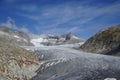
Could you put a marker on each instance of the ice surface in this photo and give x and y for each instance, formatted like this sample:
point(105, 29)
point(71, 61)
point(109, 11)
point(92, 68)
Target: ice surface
point(65, 63)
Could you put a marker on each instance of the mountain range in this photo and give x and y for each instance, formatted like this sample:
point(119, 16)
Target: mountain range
point(49, 40)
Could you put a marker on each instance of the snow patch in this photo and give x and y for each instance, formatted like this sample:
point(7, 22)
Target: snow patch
point(75, 37)
point(16, 36)
point(3, 33)
point(54, 62)
point(110, 79)
point(25, 40)
point(37, 42)
point(81, 43)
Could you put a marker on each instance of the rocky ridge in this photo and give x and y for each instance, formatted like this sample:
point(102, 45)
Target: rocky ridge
point(104, 42)
point(16, 63)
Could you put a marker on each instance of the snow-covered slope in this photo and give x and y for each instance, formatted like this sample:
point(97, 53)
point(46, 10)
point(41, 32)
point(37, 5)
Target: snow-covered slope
point(16, 37)
point(37, 42)
point(64, 63)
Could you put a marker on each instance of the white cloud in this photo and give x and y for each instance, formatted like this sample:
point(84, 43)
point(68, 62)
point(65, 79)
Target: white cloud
point(73, 29)
point(29, 8)
point(10, 23)
point(11, 1)
point(52, 18)
point(58, 31)
point(33, 17)
point(64, 13)
point(24, 29)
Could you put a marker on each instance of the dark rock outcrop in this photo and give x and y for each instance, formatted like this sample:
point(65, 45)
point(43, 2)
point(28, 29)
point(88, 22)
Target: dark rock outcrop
point(105, 42)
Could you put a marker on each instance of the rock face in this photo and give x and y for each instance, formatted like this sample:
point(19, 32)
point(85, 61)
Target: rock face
point(71, 39)
point(15, 62)
point(105, 42)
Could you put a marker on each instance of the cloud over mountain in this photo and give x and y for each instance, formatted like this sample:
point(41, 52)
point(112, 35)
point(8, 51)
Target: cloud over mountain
point(10, 23)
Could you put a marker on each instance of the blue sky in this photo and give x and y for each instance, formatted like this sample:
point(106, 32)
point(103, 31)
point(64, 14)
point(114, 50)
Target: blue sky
point(82, 17)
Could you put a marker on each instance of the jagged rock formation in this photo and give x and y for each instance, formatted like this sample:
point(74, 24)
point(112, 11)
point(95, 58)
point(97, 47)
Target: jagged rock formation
point(71, 39)
point(105, 42)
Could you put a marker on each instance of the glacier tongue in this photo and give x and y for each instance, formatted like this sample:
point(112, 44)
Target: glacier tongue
point(65, 63)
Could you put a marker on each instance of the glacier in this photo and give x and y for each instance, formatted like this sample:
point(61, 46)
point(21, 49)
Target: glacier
point(66, 63)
